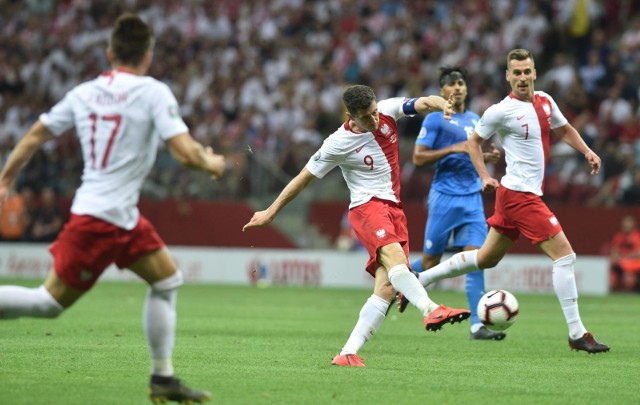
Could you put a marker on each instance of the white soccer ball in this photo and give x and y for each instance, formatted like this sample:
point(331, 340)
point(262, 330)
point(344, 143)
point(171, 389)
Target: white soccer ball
point(498, 309)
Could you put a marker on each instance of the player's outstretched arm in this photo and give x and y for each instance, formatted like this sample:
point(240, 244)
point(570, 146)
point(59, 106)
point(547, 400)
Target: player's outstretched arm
point(295, 186)
point(193, 155)
point(21, 154)
point(571, 137)
point(435, 103)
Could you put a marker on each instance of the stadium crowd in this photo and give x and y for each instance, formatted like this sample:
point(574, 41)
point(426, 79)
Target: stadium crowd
point(261, 81)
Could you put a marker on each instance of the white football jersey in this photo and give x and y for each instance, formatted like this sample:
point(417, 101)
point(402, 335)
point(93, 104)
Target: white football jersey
point(119, 119)
point(369, 161)
point(524, 129)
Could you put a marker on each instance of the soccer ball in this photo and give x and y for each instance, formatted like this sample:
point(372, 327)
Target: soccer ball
point(498, 309)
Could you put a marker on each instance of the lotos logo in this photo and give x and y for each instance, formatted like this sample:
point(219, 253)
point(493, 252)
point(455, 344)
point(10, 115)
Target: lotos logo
point(288, 271)
point(553, 220)
point(316, 157)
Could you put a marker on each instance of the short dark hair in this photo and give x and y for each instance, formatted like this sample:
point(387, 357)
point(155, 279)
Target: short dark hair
point(358, 97)
point(131, 39)
point(519, 54)
point(447, 70)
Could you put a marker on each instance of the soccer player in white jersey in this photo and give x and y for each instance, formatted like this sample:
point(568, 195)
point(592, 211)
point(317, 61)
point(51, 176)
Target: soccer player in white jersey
point(366, 148)
point(119, 118)
point(524, 120)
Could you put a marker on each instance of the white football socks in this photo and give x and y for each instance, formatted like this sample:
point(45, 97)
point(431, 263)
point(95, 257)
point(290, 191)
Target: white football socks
point(159, 320)
point(564, 284)
point(371, 316)
point(405, 282)
point(16, 301)
point(458, 264)
point(476, 327)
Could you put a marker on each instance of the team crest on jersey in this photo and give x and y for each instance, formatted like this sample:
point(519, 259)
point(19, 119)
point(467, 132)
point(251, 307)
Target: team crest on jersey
point(316, 157)
point(381, 233)
point(388, 133)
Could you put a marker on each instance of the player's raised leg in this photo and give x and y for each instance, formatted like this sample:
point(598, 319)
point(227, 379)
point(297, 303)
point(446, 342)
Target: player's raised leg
point(161, 273)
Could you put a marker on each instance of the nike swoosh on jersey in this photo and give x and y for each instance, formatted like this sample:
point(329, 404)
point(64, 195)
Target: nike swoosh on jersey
point(519, 118)
point(359, 149)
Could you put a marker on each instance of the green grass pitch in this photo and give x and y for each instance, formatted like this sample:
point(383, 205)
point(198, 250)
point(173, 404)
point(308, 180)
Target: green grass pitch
point(275, 345)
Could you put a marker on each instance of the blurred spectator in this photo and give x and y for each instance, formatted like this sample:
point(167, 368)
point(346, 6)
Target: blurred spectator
point(579, 17)
point(561, 76)
point(631, 191)
point(13, 218)
point(47, 219)
point(625, 257)
point(615, 110)
point(630, 41)
point(593, 72)
point(526, 30)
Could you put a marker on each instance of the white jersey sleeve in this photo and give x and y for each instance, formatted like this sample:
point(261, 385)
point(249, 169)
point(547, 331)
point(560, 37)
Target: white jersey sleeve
point(166, 113)
point(392, 107)
point(332, 153)
point(557, 118)
point(490, 122)
point(60, 118)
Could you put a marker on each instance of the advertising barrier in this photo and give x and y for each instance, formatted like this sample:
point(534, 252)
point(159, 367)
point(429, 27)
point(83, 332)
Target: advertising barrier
point(314, 268)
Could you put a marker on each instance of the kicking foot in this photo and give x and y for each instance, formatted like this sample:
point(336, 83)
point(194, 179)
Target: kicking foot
point(443, 315)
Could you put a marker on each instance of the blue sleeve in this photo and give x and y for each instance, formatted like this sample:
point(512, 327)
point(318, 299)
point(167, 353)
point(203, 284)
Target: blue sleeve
point(429, 130)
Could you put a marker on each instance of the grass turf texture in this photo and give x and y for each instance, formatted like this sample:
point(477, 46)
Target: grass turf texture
point(275, 345)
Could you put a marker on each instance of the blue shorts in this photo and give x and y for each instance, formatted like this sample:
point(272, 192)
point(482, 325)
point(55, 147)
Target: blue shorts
point(458, 216)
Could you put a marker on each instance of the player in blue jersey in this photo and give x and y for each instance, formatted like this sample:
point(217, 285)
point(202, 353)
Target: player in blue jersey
point(455, 208)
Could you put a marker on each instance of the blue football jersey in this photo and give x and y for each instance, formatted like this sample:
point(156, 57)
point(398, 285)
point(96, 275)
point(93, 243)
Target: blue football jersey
point(455, 173)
